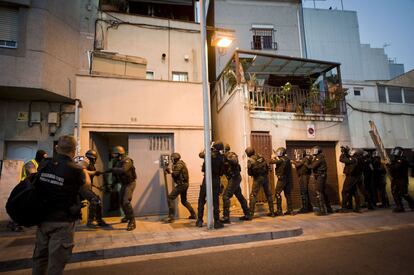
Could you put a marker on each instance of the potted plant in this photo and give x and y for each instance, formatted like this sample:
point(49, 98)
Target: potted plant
point(313, 99)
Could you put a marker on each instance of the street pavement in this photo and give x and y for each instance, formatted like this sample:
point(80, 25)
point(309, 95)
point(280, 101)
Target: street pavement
point(384, 252)
point(153, 238)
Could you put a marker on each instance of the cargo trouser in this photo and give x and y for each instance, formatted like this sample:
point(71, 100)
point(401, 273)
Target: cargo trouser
point(126, 196)
point(54, 244)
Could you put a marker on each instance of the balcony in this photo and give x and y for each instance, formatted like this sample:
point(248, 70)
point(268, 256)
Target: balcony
point(300, 101)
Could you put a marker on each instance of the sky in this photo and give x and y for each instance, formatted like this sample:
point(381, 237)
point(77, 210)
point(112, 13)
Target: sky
point(381, 22)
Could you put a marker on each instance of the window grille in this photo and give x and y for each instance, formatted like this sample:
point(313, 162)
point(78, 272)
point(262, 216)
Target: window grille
point(180, 76)
point(263, 39)
point(159, 143)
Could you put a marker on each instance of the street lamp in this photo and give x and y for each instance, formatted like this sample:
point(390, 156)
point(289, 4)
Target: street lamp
point(221, 41)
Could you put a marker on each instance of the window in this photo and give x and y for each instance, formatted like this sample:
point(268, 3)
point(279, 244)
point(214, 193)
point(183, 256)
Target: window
point(9, 27)
point(180, 76)
point(149, 75)
point(409, 95)
point(263, 38)
point(394, 95)
point(357, 92)
point(382, 97)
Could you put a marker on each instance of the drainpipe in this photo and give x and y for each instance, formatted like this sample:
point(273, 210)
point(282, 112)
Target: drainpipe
point(78, 105)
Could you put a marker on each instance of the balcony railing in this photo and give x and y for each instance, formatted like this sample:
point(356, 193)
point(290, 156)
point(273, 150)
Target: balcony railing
point(258, 45)
point(275, 99)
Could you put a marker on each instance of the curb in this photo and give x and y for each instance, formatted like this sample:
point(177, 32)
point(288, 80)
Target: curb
point(154, 248)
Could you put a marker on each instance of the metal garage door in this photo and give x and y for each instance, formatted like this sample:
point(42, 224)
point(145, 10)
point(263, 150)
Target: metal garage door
point(332, 177)
point(145, 149)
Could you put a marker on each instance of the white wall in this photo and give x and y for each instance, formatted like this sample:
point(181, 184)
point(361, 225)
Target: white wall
point(395, 130)
point(375, 63)
point(240, 15)
point(151, 43)
point(333, 35)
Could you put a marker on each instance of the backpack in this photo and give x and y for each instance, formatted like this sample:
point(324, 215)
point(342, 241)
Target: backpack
point(26, 205)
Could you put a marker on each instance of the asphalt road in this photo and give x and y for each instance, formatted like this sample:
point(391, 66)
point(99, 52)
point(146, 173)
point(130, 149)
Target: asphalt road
point(387, 252)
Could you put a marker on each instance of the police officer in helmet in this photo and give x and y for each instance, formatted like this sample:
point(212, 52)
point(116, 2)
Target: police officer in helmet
point(217, 170)
point(284, 183)
point(301, 164)
point(399, 179)
point(319, 173)
point(124, 173)
point(179, 173)
point(258, 168)
point(95, 210)
point(232, 172)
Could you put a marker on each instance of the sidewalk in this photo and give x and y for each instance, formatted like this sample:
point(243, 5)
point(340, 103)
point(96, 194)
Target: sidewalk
point(152, 236)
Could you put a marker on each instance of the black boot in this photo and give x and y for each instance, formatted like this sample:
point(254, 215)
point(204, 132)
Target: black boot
point(289, 206)
point(218, 225)
point(131, 224)
point(199, 223)
point(279, 211)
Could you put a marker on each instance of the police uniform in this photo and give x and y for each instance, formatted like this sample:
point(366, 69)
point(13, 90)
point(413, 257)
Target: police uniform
point(379, 180)
point(124, 173)
point(399, 182)
point(283, 172)
point(259, 170)
point(180, 176)
point(319, 169)
point(353, 177)
point(304, 173)
point(95, 209)
point(217, 170)
point(232, 172)
point(60, 182)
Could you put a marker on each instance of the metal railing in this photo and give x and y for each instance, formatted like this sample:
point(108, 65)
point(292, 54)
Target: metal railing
point(275, 99)
point(259, 45)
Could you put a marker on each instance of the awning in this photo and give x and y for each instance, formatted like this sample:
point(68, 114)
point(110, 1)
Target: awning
point(266, 63)
point(28, 94)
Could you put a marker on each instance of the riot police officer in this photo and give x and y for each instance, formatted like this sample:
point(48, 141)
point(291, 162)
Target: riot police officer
point(353, 176)
point(366, 187)
point(284, 181)
point(95, 210)
point(319, 169)
point(232, 172)
point(179, 173)
point(124, 173)
point(259, 170)
point(399, 179)
point(217, 170)
point(303, 171)
point(378, 174)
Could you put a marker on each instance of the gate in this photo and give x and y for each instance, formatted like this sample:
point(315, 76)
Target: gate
point(262, 144)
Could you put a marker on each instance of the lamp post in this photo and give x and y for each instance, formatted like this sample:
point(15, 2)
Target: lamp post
point(206, 110)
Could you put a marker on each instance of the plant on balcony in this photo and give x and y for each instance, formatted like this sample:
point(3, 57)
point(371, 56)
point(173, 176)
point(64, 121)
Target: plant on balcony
point(230, 79)
point(275, 102)
point(314, 99)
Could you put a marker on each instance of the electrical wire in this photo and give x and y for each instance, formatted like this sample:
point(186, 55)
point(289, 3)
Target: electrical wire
point(378, 112)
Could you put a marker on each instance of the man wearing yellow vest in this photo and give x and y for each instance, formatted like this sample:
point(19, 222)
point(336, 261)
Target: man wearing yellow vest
point(31, 166)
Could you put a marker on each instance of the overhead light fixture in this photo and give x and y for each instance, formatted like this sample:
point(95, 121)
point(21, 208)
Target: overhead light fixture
point(222, 39)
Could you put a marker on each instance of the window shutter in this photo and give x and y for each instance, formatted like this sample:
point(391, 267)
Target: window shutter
point(9, 24)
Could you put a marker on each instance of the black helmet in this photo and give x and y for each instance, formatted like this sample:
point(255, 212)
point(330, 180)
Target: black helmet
point(281, 151)
point(118, 151)
point(316, 150)
point(91, 154)
point(175, 157)
point(217, 146)
point(40, 155)
point(227, 147)
point(356, 152)
point(249, 151)
point(397, 151)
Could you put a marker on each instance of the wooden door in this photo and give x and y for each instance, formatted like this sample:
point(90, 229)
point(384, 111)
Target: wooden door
point(262, 144)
